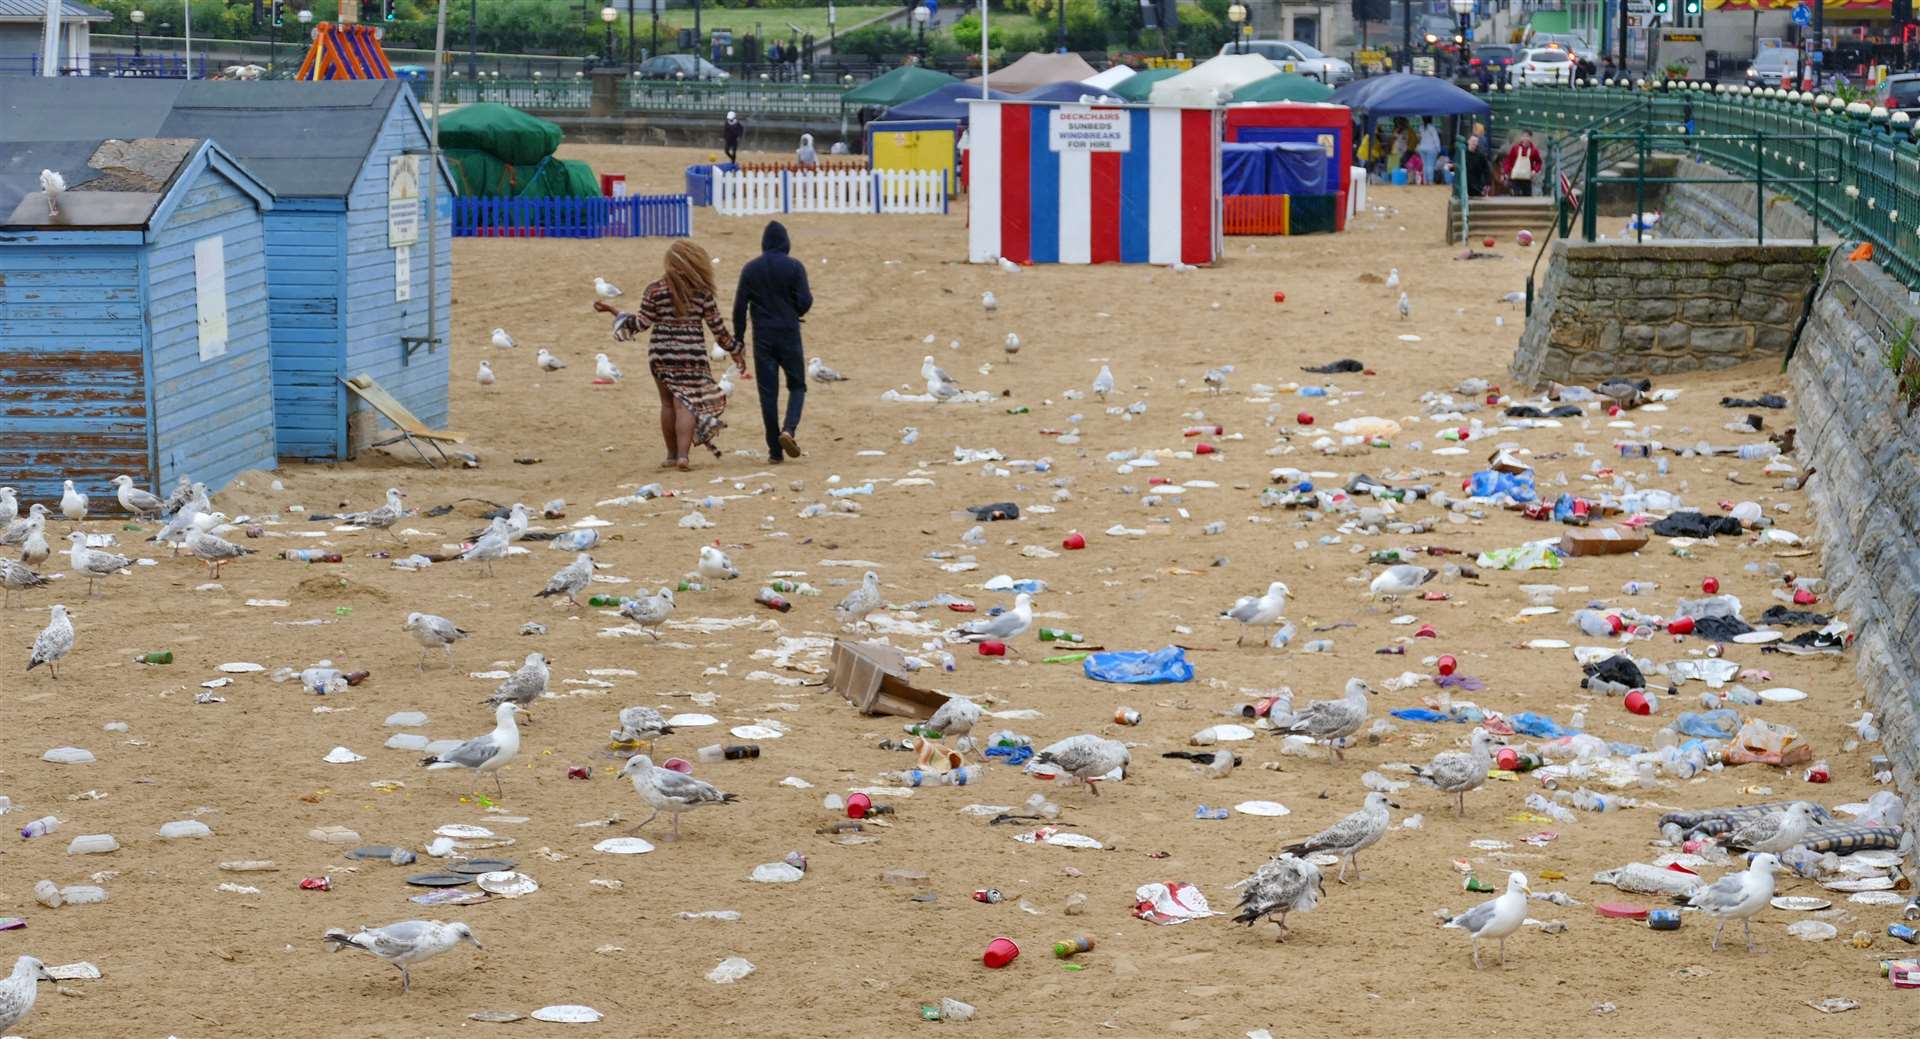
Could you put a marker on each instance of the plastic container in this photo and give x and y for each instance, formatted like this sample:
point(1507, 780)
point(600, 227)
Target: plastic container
point(1000, 952)
point(728, 752)
point(311, 555)
point(93, 844)
point(859, 806)
point(159, 656)
point(40, 827)
point(1073, 946)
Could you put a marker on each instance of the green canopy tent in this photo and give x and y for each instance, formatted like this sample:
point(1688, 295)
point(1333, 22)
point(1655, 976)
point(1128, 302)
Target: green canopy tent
point(1137, 86)
point(898, 87)
point(497, 151)
point(1284, 86)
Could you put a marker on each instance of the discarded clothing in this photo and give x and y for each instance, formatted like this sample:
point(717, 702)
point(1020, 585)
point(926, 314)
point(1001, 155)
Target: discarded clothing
point(1620, 670)
point(1720, 629)
point(1529, 411)
point(1690, 524)
point(1847, 838)
point(1345, 364)
point(1000, 510)
point(1714, 821)
point(1136, 668)
point(1423, 714)
point(1808, 642)
point(1765, 400)
point(1781, 615)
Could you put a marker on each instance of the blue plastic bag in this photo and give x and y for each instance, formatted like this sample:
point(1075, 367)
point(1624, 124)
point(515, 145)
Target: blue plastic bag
point(1491, 483)
point(1422, 714)
point(1709, 725)
point(1527, 723)
point(1015, 755)
point(1137, 668)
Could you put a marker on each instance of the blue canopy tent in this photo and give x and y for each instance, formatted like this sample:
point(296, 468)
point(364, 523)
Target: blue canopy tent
point(1066, 91)
point(948, 102)
point(1273, 168)
point(1405, 94)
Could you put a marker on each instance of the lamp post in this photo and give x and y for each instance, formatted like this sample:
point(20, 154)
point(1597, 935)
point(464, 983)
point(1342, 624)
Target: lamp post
point(1463, 9)
point(607, 15)
point(1060, 34)
point(920, 16)
point(273, 48)
point(473, 39)
point(653, 43)
point(1237, 14)
point(138, 17)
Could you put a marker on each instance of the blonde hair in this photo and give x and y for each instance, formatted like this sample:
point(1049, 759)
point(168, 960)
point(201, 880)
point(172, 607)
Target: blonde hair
point(689, 276)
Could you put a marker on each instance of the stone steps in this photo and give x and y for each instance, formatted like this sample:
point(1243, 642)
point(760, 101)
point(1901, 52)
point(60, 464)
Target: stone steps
point(1501, 217)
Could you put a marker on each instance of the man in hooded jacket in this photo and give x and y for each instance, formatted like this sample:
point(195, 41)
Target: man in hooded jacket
point(773, 289)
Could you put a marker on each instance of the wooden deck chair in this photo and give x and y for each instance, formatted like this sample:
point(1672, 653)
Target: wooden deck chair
point(412, 430)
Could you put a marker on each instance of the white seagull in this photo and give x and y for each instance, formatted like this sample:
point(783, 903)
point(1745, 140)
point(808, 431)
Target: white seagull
point(1216, 378)
point(502, 340)
point(649, 611)
point(714, 565)
point(382, 517)
point(641, 723)
point(940, 385)
point(1285, 884)
point(52, 184)
point(9, 507)
point(53, 643)
point(18, 531)
point(525, 685)
point(1400, 579)
point(433, 631)
point(1350, 836)
point(213, 550)
point(485, 376)
point(1455, 772)
point(73, 504)
point(92, 562)
point(135, 500)
point(569, 580)
point(861, 601)
point(1739, 896)
point(1004, 628)
point(955, 718)
point(1406, 307)
point(605, 369)
point(818, 371)
point(1774, 832)
point(1103, 383)
point(19, 990)
point(489, 546)
point(1258, 610)
point(548, 362)
point(1393, 278)
point(403, 944)
point(489, 753)
point(606, 289)
point(1012, 345)
point(1495, 918)
point(17, 576)
point(674, 793)
point(1086, 758)
point(1331, 721)
point(987, 301)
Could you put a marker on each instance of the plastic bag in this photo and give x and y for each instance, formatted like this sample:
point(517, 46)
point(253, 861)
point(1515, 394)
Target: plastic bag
point(1172, 903)
point(1490, 483)
point(1134, 667)
point(1527, 723)
point(1525, 557)
point(1709, 725)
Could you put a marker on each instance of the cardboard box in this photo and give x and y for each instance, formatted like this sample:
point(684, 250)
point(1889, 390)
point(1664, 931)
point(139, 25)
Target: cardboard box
point(1603, 541)
point(872, 676)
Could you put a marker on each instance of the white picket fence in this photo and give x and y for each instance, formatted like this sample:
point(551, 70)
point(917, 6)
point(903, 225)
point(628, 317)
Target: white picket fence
point(757, 192)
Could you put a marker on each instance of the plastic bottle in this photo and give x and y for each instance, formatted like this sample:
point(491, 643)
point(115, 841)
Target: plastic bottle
point(1076, 904)
point(771, 600)
point(690, 586)
point(1757, 452)
point(40, 827)
point(159, 656)
point(1639, 587)
point(604, 600)
point(311, 555)
point(1592, 802)
point(1558, 813)
point(1073, 946)
point(1595, 624)
point(728, 752)
point(1605, 688)
point(1060, 635)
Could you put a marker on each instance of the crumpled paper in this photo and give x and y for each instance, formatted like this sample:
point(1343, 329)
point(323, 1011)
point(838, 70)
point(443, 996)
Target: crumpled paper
point(1170, 903)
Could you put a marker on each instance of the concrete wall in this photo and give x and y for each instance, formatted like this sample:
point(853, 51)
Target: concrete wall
point(1863, 444)
point(1664, 306)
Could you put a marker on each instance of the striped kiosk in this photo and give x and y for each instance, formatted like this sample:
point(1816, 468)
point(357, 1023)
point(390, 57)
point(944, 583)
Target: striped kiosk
point(1068, 183)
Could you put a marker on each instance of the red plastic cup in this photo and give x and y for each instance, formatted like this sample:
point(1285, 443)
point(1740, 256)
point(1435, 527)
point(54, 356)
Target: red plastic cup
point(1507, 760)
point(1711, 586)
point(1680, 626)
point(1614, 622)
point(858, 805)
point(1000, 952)
point(1204, 449)
point(1465, 433)
point(1637, 703)
point(1448, 665)
point(680, 765)
point(1304, 418)
point(1426, 632)
point(1802, 597)
point(1074, 541)
point(993, 649)
point(1613, 411)
point(1279, 297)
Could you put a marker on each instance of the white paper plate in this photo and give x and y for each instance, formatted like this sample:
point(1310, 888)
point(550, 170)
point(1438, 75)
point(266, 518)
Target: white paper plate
point(1488, 845)
point(1409, 338)
point(507, 884)
point(1548, 644)
point(623, 846)
point(1878, 898)
point(343, 756)
point(1323, 860)
point(1074, 840)
point(1267, 808)
point(755, 732)
point(1757, 638)
point(463, 831)
point(1876, 859)
point(242, 669)
point(1800, 903)
point(1449, 450)
point(1231, 733)
point(1538, 611)
point(692, 721)
point(1782, 694)
point(567, 1013)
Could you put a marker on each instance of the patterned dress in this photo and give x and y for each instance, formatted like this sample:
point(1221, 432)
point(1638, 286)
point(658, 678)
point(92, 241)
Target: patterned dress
point(677, 354)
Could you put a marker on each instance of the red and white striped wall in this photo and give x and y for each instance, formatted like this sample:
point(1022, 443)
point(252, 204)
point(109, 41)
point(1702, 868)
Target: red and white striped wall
point(1157, 201)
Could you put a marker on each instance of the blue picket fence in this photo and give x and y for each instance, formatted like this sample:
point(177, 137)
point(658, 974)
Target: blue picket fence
point(636, 216)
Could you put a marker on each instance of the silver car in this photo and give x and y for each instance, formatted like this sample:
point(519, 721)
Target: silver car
point(1773, 68)
point(1294, 56)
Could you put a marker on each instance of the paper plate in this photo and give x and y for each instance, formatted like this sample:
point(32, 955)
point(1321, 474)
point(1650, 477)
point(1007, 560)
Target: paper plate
point(1488, 845)
point(1812, 930)
point(623, 846)
point(1323, 860)
point(343, 756)
point(567, 1014)
point(1782, 695)
point(463, 830)
point(1409, 338)
point(1231, 733)
point(691, 721)
point(1538, 611)
point(1800, 903)
point(1878, 898)
point(1757, 638)
point(242, 669)
point(508, 884)
point(1548, 644)
point(439, 879)
point(1074, 840)
point(478, 867)
point(1876, 859)
point(755, 732)
point(1269, 808)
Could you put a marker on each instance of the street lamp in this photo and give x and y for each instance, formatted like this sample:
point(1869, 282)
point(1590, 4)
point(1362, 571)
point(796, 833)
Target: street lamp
point(920, 16)
point(607, 15)
point(1237, 14)
point(137, 16)
point(1463, 9)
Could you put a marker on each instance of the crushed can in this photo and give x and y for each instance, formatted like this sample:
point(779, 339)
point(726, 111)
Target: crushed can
point(316, 884)
point(991, 896)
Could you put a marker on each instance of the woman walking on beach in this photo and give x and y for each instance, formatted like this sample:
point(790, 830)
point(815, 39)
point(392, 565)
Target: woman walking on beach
point(674, 307)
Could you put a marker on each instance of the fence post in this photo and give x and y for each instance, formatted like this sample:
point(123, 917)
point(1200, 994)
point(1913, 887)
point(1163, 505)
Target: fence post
point(1760, 187)
point(786, 192)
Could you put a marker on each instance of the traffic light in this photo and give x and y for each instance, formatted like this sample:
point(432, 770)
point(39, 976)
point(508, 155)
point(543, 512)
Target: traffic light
point(1693, 8)
point(387, 13)
point(1660, 8)
point(279, 13)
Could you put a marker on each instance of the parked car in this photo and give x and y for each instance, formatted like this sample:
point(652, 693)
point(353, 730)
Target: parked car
point(1773, 68)
point(676, 66)
point(1543, 66)
point(1497, 58)
point(1583, 53)
point(1902, 93)
point(1294, 56)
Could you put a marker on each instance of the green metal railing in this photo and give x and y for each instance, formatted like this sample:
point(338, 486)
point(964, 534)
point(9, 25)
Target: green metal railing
point(563, 92)
point(748, 98)
point(1853, 169)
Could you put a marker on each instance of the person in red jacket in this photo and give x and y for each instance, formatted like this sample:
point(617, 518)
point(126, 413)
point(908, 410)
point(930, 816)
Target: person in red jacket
point(1522, 164)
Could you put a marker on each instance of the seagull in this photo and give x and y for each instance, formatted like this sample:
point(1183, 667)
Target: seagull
point(1216, 378)
point(17, 575)
point(548, 362)
point(1497, 918)
point(403, 944)
point(135, 500)
point(19, 990)
point(569, 580)
point(641, 723)
point(606, 289)
point(175, 532)
point(649, 611)
point(35, 551)
point(9, 507)
point(715, 566)
point(432, 630)
point(1350, 836)
point(1406, 308)
point(182, 493)
point(1103, 383)
point(384, 517)
point(485, 377)
point(1774, 832)
point(519, 521)
point(73, 504)
point(1285, 884)
point(1456, 773)
point(955, 718)
point(18, 530)
point(605, 369)
point(726, 384)
point(862, 600)
point(940, 385)
point(1393, 278)
point(523, 686)
point(1255, 610)
point(1004, 628)
point(215, 551)
point(1009, 266)
point(1739, 895)
point(669, 791)
point(489, 546)
point(1331, 721)
point(52, 183)
point(987, 301)
point(575, 540)
point(819, 372)
point(53, 643)
point(1013, 345)
point(489, 753)
point(93, 562)
point(1086, 757)
point(1399, 579)
point(502, 340)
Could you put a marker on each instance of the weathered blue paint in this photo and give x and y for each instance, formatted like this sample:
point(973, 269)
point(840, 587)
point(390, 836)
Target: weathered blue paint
point(99, 348)
point(306, 265)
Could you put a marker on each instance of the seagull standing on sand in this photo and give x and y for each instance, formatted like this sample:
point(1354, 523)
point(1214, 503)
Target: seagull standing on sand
point(213, 550)
point(1103, 383)
point(606, 289)
point(940, 385)
point(434, 632)
point(174, 534)
point(35, 551)
point(988, 302)
point(489, 546)
point(1738, 896)
point(1393, 278)
point(52, 184)
point(17, 576)
point(1086, 758)
point(73, 504)
point(383, 517)
point(1350, 836)
point(17, 531)
point(1012, 345)
point(502, 340)
point(1400, 579)
point(403, 944)
point(1331, 721)
point(1285, 884)
point(182, 493)
point(1216, 378)
point(548, 362)
point(955, 718)
point(1004, 628)
point(1406, 307)
point(1774, 832)
point(605, 369)
point(861, 601)
point(570, 580)
point(1455, 773)
point(9, 507)
point(135, 500)
point(1258, 610)
point(674, 793)
point(489, 753)
point(53, 643)
point(714, 565)
point(525, 685)
point(818, 371)
point(485, 377)
point(19, 990)
point(1495, 918)
point(641, 723)
point(649, 611)
point(92, 562)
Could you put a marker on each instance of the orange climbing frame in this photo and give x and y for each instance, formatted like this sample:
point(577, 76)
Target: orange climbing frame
point(345, 52)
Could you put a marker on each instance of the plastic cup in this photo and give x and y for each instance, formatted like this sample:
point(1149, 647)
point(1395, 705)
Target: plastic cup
point(1426, 631)
point(1448, 665)
point(1636, 703)
point(1000, 952)
point(1279, 297)
point(681, 765)
point(1304, 418)
point(1204, 449)
point(1075, 540)
point(1711, 586)
point(993, 649)
point(1507, 760)
point(858, 805)
point(1488, 242)
point(1680, 626)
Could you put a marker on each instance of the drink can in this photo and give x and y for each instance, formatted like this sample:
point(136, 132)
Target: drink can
point(989, 895)
point(1126, 716)
point(316, 884)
